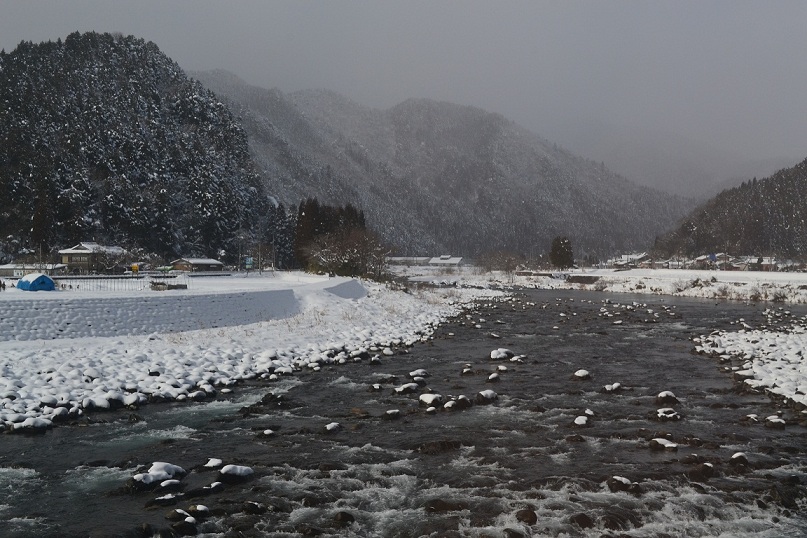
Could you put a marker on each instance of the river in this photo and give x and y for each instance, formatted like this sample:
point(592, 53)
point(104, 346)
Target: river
point(525, 464)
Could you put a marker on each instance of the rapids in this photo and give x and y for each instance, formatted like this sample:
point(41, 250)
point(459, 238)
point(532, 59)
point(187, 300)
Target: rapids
point(526, 464)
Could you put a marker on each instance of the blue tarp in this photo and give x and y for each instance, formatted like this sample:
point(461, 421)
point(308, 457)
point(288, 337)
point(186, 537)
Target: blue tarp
point(36, 282)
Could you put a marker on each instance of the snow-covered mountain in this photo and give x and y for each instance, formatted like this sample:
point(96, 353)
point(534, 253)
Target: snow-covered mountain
point(104, 137)
point(437, 177)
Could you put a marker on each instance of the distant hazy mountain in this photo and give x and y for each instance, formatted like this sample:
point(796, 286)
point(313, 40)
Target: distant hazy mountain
point(103, 137)
point(434, 177)
point(758, 218)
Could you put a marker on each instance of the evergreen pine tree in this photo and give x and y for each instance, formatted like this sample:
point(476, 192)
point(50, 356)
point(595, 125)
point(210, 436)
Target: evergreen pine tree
point(561, 255)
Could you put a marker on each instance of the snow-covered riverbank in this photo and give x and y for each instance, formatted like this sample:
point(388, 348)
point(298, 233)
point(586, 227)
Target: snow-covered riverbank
point(68, 351)
point(755, 286)
point(769, 358)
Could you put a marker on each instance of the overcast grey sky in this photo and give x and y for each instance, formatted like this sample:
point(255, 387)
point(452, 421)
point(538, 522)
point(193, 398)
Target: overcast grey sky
point(731, 74)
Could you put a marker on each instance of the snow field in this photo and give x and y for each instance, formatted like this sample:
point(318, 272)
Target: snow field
point(245, 334)
point(41, 316)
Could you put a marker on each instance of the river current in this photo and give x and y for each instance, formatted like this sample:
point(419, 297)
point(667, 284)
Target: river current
point(555, 453)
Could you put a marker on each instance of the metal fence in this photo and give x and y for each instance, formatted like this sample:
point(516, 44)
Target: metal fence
point(119, 283)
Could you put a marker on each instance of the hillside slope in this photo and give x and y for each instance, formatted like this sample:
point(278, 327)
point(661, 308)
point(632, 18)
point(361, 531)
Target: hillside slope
point(438, 177)
point(758, 218)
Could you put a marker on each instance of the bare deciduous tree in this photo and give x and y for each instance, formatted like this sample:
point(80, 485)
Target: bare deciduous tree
point(353, 252)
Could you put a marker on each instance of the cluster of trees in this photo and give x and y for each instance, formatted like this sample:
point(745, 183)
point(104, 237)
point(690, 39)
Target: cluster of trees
point(560, 255)
point(335, 240)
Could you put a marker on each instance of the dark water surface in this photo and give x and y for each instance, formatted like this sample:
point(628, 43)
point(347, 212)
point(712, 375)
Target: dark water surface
point(519, 466)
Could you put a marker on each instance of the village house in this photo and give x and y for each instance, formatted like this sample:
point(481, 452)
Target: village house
point(408, 260)
point(21, 269)
point(767, 263)
point(674, 263)
point(194, 265)
point(629, 261)
point(720, 260)
point(446, 261)
point(89, 257)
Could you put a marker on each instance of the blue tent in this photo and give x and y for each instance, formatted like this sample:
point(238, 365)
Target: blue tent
point(36, 282)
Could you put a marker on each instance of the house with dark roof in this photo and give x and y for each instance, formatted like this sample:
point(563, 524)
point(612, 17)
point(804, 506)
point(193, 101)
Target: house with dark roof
point(197, 264)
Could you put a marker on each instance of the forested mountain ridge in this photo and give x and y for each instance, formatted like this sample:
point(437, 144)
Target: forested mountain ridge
point(439, 177)
point(104, 137)
point(758, 218)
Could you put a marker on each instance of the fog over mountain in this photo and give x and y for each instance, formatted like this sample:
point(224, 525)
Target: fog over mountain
point(687, 93)
point(667, 161)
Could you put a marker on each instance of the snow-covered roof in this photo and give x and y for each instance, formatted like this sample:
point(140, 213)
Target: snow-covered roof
point(628, 258)
point(446, 260)
point(48, 266)
point(411, 260)
point(197, 261)
point(90, 246)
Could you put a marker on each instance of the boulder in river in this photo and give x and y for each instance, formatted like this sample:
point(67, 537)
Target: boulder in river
point(666, 398)
point(581, 375)
point(235, 473)
point(620, 483)
point(486, 397)
point(526, 516)
point(659, 443)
